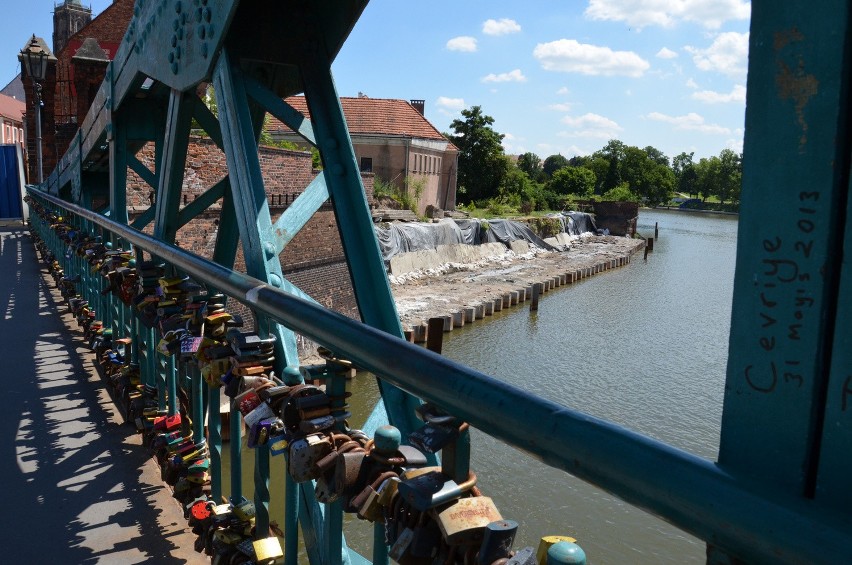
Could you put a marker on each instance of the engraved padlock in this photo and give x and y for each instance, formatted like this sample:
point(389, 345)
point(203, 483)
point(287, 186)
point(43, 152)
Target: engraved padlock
point(304, 454)
point(463, 522)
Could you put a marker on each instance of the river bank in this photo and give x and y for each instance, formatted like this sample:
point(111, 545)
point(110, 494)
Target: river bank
point(465, 292)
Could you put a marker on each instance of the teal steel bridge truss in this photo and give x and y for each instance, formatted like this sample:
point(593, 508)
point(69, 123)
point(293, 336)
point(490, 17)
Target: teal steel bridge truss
point(779, 491)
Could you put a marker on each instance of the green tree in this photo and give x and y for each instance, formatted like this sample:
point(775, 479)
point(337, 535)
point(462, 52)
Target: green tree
point(647, 176)
point(530, 163)
point(553, 164)
point(709, 177)
point(578, 181)
point(481, 163)
point(685, 175)
point(600, 166)
point(614, 152)
point(620, 193)
point(730, 176)
point(656, 155)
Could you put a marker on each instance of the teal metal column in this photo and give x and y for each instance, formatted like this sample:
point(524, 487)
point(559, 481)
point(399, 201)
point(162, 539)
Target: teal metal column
point(343, 178)
point(794, 198)
point(239, 138)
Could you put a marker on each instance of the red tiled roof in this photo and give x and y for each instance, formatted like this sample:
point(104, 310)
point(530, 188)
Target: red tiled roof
point(374, 116)
point(12, 108)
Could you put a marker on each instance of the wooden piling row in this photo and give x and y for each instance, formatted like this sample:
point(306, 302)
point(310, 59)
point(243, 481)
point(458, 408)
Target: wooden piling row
point(431, 332)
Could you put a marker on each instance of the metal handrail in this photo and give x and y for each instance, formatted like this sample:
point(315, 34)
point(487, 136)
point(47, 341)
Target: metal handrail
point(694, 494)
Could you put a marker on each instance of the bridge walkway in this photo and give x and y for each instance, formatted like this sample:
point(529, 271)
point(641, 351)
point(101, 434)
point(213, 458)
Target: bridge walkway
point(78, 486)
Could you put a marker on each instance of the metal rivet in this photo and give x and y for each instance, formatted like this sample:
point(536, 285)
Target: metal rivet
point(198, 15)
point(182, 19)
point(202, 31)
point(208, 14)
point(178, 7)
point(174, 40)
point(176, 24)
point(210, 30)
point(204, 50)
point(177, 52)
point(172, 57)
point(275, 280)
point(269, 249)
point(174, 68)
point(180, 33)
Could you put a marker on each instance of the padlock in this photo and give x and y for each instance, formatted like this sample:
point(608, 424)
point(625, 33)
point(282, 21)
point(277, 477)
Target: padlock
point(432, 489)
point(464, 521)
point(401, 545)
point(304, 453)
point(366, 504)
point(426, 541)
point(267, 550)
point(260, 432)
point(525, 556)
point(497, 542)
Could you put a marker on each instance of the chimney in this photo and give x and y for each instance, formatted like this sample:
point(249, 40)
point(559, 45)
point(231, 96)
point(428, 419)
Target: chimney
point(420, 106)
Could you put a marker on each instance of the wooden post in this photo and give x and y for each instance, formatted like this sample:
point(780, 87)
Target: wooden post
point(650, 244)
point(536, 292)
point(435, 334)
point(656, 229)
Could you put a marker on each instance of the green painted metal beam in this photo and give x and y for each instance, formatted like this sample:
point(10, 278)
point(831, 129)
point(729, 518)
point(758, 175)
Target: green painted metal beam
point(366, 268)
point(790, 236)
point(171, 175)
point(299, 213)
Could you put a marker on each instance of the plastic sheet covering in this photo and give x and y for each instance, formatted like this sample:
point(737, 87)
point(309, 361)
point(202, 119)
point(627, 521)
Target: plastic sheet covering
point(506, 231)
point(404, 237)
point(397, 238)
point(576, 223)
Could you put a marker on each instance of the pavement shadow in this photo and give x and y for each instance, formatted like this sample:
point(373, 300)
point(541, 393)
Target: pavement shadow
point(77, 483)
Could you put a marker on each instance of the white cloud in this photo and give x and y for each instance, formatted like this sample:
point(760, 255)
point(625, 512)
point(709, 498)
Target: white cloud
point(728, 54)
point(564, 90)
point(462, 43)
point(562, 107)
point(569, 56)
point(735, 144)
point(666, 53)
point(667, 13)
point(689, 122)
point(590, 125)
point(511, 76)
point(454, 104)
point(691, 84)
point(502, 26)
point(738, 94)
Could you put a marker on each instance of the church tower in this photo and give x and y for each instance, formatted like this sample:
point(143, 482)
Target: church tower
point(68, 18)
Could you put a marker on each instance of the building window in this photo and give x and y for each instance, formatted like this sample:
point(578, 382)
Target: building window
point(366, 164)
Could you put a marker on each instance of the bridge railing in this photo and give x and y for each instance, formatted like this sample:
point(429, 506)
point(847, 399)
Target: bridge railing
point(779, 492)
point(690, 492)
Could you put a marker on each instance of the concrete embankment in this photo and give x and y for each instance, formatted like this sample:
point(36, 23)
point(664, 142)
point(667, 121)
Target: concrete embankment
point(463, 292)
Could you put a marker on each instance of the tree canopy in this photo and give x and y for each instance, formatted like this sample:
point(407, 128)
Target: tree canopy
point(616, 171)
point(482, 165)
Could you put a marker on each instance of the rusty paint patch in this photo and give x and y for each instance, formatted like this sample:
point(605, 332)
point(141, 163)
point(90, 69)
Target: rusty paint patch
point(792, 82)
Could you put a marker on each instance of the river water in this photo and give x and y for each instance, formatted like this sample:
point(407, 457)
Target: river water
point(644, 346)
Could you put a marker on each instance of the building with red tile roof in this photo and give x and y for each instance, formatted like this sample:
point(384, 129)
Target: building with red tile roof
point(393, 140)
point(11, 120)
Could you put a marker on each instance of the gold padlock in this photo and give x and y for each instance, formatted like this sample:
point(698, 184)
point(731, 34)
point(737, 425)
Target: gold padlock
point(464, 521)
point(267, 550)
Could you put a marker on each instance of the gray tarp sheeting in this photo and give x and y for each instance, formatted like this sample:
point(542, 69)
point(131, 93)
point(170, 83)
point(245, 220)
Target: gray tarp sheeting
point(405, 237)
point(576, 223)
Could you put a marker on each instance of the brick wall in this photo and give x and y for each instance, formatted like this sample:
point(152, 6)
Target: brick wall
point(313, 260)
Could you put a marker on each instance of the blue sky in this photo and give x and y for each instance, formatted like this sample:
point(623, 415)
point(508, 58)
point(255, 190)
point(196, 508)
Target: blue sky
point(558, 76)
